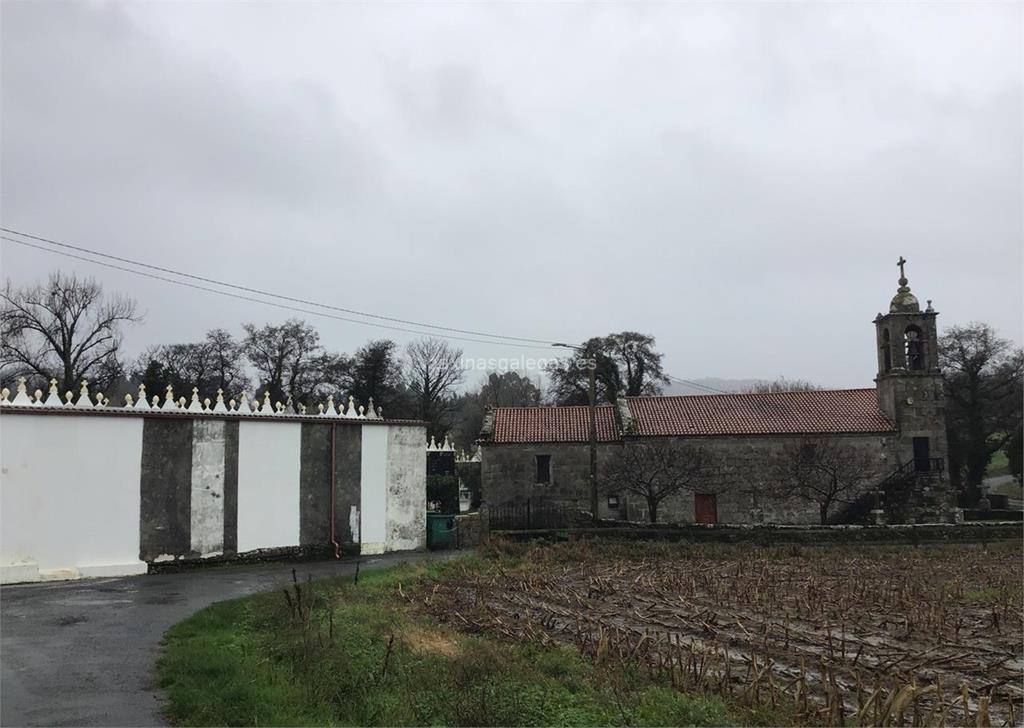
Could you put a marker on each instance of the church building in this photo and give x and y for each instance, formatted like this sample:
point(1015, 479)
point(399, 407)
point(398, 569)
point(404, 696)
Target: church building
point(540, 455)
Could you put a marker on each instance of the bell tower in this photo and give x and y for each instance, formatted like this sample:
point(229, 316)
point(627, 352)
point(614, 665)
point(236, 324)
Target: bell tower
point(909, 382)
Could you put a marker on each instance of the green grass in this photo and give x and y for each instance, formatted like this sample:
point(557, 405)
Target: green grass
point(1012, 489)
point(251, 662)
point(989, 595)
point(997, 465)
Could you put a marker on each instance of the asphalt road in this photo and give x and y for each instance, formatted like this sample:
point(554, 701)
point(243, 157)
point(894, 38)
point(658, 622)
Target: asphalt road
point(83, 652)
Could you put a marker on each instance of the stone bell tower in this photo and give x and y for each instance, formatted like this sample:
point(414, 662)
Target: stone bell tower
point(909, 382)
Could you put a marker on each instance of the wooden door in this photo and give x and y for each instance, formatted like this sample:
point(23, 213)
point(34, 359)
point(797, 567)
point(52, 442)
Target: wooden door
point(705, 508)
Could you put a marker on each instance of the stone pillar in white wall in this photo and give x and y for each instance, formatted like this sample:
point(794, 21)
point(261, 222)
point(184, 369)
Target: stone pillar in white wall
point(407, 489)
point(374, 488)
point(207, 514)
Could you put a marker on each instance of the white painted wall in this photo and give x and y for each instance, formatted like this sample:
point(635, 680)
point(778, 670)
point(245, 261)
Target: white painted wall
point(374, 488)
point(268, 484)
point(69, 496)
point(207, 515)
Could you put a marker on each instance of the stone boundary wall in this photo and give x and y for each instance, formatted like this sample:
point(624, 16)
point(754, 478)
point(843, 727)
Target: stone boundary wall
point(98, 491)
point(977, 532)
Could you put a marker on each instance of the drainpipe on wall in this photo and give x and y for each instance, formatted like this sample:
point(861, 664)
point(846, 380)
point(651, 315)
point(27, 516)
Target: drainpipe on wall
point(334, 519)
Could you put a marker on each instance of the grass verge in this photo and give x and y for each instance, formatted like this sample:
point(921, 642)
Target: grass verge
point(337, 653)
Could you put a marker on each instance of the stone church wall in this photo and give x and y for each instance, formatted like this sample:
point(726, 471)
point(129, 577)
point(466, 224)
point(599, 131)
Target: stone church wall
point(101, 492)
point(737, 478)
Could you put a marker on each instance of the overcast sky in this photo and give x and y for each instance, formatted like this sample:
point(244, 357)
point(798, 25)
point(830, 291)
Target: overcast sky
point(736, 179)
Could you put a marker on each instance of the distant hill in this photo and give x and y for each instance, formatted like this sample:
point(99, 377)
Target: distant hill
point(711, 383)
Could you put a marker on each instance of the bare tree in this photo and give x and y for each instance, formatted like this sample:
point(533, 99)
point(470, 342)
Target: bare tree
point(657, 469)
point(823, 470)
point(433, 371)
point(227, 365)
point(65, 329)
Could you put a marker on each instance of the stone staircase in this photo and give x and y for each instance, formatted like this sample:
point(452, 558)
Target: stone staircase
point(912, 493)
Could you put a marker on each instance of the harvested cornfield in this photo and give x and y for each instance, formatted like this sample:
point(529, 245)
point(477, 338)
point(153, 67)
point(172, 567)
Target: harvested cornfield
point(832, 636)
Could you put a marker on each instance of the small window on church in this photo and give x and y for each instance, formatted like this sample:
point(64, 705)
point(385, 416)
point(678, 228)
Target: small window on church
point(886, 351)
point(915, 348)
point(544, 469)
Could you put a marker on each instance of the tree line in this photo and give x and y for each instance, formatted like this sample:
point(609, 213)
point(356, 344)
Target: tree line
point(68, 329)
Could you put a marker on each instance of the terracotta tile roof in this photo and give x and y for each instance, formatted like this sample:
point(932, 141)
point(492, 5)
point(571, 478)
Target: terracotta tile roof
point(778, 413)
point(552, 424)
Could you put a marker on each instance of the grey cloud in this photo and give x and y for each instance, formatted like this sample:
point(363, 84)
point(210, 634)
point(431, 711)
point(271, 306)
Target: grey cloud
point(735, 179)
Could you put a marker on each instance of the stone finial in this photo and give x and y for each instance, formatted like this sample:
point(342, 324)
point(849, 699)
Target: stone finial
point(279, 407)
point(83, 396)
point(362, 412)
point(231, 405)
point(289, 406)
point(267, 408)
point(169, 403)
point(206, 405)
point(433, 444)
point(181, 403)
point(371, 413)
point(129, 400)
point(930, 308)
point(4, 394)
point(380, 413)
point(448, 446)
point(219, 406)
point(37, 398)
point(331, 412)
point(68, 396)
point(194, 405)
point(155, 401)
point(101, 401)
point(302, 409)
point(321, 408)
point(351, 411)
point(53, 398)
point(243, 404)
point(142, 403)
point(21, 396)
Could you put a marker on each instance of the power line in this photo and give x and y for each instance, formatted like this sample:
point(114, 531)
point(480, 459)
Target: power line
point(698, 386)
point(537, 343)
point(257, 300)
point(269, 294)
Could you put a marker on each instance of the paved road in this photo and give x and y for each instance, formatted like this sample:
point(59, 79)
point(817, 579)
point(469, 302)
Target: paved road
point(82, 652)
